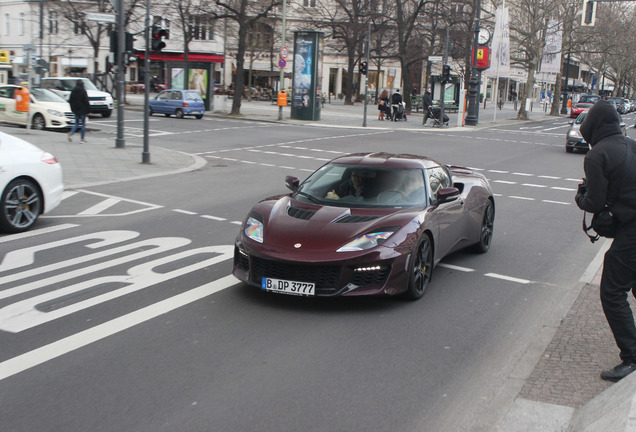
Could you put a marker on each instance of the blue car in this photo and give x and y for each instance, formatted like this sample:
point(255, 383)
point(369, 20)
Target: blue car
point(178, 102)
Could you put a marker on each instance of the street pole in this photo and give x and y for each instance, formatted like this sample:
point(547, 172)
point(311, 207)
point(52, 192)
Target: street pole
point(366, 76)
point(120, 76)
point(472, 117)
point(564, 105)
point(282, 70)
point(145, 154)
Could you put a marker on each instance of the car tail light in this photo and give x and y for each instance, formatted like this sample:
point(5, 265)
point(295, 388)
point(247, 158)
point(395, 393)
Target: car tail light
point(49, 159)
point(185, 104)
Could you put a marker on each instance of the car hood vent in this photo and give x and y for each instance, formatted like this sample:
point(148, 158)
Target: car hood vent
point(299, 213)
point(355, 219)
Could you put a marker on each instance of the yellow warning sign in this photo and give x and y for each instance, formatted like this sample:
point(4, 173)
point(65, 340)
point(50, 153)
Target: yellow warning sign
point(4, 57)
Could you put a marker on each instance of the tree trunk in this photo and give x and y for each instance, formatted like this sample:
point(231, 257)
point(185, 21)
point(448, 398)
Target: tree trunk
point(240, 68)
point(523, 114)
point(556, 104)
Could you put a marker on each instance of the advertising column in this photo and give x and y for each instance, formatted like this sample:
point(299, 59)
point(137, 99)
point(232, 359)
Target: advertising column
point(306, 93)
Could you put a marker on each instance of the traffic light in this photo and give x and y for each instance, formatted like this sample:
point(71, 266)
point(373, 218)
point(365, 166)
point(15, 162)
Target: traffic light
point(446, 70)
point(114, 44)
point(363, 67)
point(158, 34)
point(589, 13)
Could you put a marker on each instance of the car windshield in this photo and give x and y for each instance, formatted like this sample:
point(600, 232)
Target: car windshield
point(192, 96)
point(580, 118)
point(590, 98)
point(69, 84)
point(45, 95)
point(345, 185)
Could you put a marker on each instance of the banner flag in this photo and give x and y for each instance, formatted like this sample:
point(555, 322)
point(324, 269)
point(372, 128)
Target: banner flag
point(500, 47)
point(551, 59)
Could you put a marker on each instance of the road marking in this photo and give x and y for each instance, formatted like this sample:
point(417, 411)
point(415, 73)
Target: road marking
point(549, 177)
point(98, 208)
point(556, 202)
point(508, 278)
point(504, 181)
point(216, 218)
point(36, 232)
point(454, 267)
point(56, 349)
point(563, 189)
point(534, 185)
point(521, 198)
point(184, 211)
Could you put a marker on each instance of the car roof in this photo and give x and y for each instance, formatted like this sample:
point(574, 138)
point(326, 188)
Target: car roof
point(382, 159)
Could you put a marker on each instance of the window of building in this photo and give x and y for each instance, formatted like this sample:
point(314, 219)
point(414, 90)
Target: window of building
point(7, 24)
point(260, 36)
point(53, 23)
point(309, 3)
point(201, 27)
point(22, 23)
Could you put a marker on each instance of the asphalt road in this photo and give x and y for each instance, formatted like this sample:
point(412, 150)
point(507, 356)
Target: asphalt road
point(125, 318)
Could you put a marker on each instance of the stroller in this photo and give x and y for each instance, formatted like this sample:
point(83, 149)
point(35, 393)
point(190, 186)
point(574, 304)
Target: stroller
point(435, 113)
point(399, 113)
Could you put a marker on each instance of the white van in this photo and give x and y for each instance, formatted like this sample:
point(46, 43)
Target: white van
point(101, 102)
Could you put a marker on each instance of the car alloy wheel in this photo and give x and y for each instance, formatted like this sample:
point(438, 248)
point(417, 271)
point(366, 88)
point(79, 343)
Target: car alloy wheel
point(179, 113)
point(487, 227)
point(421, 268)
point(20, 206)
point(38, 122)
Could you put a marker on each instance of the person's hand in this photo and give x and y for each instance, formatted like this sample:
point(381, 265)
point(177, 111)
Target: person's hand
point(582, 188)
point(332, 195)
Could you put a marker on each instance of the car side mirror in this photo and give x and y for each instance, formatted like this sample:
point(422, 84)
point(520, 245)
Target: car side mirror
point(292, 183)
point(447, 194)
point(571, 122)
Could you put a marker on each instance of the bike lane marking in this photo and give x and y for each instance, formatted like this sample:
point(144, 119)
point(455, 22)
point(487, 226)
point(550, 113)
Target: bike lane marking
point(71, 343)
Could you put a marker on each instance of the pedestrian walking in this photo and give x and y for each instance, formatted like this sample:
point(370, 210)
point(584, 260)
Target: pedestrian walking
point(610, 179)
point(80, 106)
point(427, 101)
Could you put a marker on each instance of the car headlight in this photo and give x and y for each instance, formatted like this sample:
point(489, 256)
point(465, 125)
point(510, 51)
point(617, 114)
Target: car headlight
point(254, 229)
point(368, 240)
point(574, 134)
point(54, 113)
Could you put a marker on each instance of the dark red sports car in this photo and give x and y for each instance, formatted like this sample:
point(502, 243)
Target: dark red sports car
point(364, 224)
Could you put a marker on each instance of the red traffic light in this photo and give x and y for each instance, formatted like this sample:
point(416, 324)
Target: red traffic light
point(158, 33)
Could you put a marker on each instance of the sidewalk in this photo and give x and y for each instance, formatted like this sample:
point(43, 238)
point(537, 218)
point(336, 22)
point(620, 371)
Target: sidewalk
point(555, 384)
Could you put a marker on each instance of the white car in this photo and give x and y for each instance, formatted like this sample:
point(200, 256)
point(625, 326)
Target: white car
point(30, 181)
point(101, 102)
point(46, 110)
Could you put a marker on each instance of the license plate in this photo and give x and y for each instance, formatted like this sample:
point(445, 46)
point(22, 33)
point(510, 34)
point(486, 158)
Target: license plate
point(288, 287)
point(196, 112)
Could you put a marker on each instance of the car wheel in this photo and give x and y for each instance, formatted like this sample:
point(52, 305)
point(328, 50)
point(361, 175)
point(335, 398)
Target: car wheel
point(20, 206)
point(199, 116)
point(150, 111)
point(38, 122)
point(421, 268)
point(487, 228)
point(179, 114)
point(107, 114)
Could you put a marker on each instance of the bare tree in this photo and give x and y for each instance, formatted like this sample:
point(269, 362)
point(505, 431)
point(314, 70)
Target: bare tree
point(244, 14)
point(75, 13)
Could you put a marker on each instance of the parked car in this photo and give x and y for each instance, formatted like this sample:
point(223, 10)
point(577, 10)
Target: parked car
point(30, 182)
point(573, 138)
point(619, 104)
point(579, 108)
point(364, 224)
point(178, 103)
point(46, 109)
point(588, 98)
point(101, 102)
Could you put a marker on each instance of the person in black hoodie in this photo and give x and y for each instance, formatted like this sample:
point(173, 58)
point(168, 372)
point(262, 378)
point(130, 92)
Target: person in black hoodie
point(604, 171)
point(80, 106)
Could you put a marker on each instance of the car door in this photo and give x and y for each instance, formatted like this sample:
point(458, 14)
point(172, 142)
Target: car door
point(161, 102)
point(8, 101)
point(450, 215)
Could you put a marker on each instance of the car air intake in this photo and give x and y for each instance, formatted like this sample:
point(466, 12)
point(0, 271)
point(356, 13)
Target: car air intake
point(299, 213)
point(355, 219)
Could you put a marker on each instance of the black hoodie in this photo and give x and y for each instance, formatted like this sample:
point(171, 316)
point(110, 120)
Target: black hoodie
point(604, 165)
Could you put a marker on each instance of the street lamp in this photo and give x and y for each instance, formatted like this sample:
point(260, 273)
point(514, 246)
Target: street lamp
point(472, 116)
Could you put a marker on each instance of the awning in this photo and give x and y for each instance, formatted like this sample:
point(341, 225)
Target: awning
point(178, 56)
point(275, 74)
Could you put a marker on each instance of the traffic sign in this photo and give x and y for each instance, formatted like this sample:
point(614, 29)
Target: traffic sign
point(435, 58)
point(101, 17)
point(282, 63)
point(284, 52)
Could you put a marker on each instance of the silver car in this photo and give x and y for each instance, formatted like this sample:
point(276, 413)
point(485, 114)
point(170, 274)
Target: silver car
point(573, 138)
